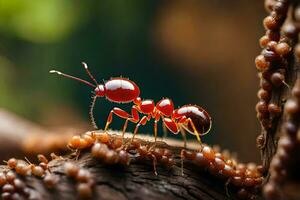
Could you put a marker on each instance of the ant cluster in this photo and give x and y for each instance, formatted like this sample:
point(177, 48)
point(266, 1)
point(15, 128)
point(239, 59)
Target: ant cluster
point(284, 164)
point(276, 67)
point(112, 150)
point(247, 178)
point(272, 63)
point(12, 187)
point(11, 183)
point(82, 177)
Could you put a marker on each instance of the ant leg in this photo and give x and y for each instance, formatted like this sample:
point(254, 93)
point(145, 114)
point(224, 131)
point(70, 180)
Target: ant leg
point(27, 160)
point(155, 134)
point(226, 187)
point(154, 164)
point(183, 120)
point(165, 130)
point(119, 112)
point(155, 131)
point(183, 133)
point(143, 121)
point(195, 130)
point(181, 159)
point(77, 153)
point(287, 85)
point(134, 117)
point(124, 128)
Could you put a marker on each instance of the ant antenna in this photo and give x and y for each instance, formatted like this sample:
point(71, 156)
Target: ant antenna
point(287, 85)
point(27, 160)
point(89, 73)
point(72, 77)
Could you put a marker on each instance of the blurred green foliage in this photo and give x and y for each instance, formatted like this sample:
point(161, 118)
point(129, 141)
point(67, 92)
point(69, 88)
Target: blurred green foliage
point(155, 43)
point(113, 37)
point(39, 21)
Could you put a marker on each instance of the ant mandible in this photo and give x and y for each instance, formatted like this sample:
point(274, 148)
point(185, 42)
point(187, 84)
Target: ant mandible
point(191, 118)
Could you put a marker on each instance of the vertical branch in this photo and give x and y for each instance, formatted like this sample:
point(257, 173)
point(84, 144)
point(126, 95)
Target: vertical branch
point(284, 164)
point(277, 73)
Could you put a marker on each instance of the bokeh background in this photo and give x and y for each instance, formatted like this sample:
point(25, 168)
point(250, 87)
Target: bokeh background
point(198, 52)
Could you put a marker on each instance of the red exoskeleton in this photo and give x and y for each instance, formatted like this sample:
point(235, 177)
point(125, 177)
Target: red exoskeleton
point(191, 118)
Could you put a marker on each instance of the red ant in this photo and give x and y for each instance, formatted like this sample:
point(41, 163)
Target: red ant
point(191, 118)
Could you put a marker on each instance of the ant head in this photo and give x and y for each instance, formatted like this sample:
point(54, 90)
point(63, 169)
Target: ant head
point(100, 91)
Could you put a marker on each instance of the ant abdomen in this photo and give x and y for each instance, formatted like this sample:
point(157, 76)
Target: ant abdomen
point(201, 119)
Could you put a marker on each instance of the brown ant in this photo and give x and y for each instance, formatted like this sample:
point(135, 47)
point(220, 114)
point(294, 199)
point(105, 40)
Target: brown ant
point(192, 118)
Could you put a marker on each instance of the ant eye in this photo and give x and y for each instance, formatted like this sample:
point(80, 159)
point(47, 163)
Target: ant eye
point(100, 91)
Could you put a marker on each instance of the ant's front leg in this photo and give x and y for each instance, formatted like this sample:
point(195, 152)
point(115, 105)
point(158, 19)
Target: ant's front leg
point(134, 117)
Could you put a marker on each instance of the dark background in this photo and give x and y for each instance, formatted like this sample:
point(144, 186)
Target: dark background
point(197, 52)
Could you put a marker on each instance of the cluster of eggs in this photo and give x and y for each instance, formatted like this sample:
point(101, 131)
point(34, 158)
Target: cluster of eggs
point(11, 183)
point(82, 177)
point(247, 178)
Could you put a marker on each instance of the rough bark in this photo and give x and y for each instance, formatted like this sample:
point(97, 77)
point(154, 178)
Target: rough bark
point(136, 181)
point(279, 97)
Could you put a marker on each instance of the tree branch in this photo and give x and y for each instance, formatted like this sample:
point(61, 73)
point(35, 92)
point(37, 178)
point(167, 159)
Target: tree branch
point(136, 181)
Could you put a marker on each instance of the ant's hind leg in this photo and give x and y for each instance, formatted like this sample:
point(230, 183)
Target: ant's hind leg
point(195, 131)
